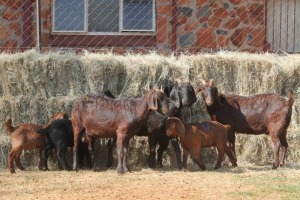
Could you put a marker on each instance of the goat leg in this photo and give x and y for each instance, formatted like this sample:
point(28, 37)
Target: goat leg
point(177, 150)
point(110, 145)
point(152, 148)
point(185, 158)
point(276, 149)
point(230, 156)
point(11, 158)
point(41, 159)
point(18, 162)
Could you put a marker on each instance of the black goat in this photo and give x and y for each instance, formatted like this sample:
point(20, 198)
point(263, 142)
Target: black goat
point(59, 135)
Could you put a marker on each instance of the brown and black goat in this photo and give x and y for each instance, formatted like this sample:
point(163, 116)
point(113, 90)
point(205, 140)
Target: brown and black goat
point(24, 137)
point(256, 114)
point(104, 117)
point(194, 136)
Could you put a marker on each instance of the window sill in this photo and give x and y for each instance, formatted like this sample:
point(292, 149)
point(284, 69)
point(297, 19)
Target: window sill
point(73, 40)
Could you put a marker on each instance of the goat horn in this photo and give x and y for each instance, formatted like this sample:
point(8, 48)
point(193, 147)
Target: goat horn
point(202, 81)
point(211, 82)
point(177, 80)
point(162, 88)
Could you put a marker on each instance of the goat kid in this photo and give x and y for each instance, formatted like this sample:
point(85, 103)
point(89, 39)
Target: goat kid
point(59, 135)
point(194, 136)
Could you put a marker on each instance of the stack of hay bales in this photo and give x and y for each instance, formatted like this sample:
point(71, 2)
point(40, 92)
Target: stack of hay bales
point(33, 86)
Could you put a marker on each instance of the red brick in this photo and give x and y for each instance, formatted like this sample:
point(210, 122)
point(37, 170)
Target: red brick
point(214, 22)
point(45, 39)
point(191, 26)
point(256, 12)
point(9, 14)
point(10, 45)
point(46, 24)
point(183, 2)
point(47, 2)
point(205, 38)
point(223, 41)
point(243, 14)
point(232, 14)
point(239, 36)
point(236, 2)
point(16, 27)
point(161, 34)
point(258, 37)
point(5, 31)
point(217, 4)
point(162, 1)
point(201, 2)
point(164, 9)
point(182, 19)
point(203, 19)
point(221, 13)
point(45, 13)
point(233, 23)
point(12, 4)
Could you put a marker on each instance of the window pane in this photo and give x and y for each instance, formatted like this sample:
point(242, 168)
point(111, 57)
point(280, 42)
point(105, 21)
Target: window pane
point(103, 16)
point(69, 15)
point(138, 15)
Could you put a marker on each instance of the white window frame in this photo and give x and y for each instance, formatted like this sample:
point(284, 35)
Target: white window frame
point(121, 30)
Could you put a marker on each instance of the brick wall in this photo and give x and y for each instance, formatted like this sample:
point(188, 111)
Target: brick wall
point(10, 24)
point(229, 24)
point(201, 24)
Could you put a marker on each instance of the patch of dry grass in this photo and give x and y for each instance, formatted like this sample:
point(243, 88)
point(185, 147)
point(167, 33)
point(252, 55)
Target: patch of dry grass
point(243, 182)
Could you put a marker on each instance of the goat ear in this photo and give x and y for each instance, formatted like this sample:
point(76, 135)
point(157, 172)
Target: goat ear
point(218, 96)
point(174, 96)
point(152, 100)
point(180, 128)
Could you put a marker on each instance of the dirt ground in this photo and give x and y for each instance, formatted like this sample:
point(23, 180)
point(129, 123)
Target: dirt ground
point(243, 182)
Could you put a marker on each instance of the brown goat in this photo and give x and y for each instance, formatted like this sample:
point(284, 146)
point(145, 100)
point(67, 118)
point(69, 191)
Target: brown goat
point(24, 137)
point(194, 136)
point(256, 114)
point(108, 118)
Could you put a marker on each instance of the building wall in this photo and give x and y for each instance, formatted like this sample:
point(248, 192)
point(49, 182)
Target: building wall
point(10, 24)
point(200, 25)
point(229, 24)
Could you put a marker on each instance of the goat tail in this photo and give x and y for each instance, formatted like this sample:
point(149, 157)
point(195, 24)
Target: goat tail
point(9, 126)
point(291, 96)
point(43, 130)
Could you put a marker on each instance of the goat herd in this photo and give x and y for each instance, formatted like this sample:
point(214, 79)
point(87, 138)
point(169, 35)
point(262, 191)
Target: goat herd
point(157, 115)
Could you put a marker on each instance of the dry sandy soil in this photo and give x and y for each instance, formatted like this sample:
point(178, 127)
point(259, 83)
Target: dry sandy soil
point(243, 182)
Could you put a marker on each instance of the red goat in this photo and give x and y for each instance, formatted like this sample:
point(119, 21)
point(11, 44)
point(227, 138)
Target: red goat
point(194, 136)
point(24, 136)
point(257, 114)
point(106, 117)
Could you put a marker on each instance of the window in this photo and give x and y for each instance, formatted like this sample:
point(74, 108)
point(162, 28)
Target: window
point(104, 16)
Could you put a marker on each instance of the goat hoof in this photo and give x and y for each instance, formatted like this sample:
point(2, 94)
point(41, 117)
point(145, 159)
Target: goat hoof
point(96, 169)
point(274, 167)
